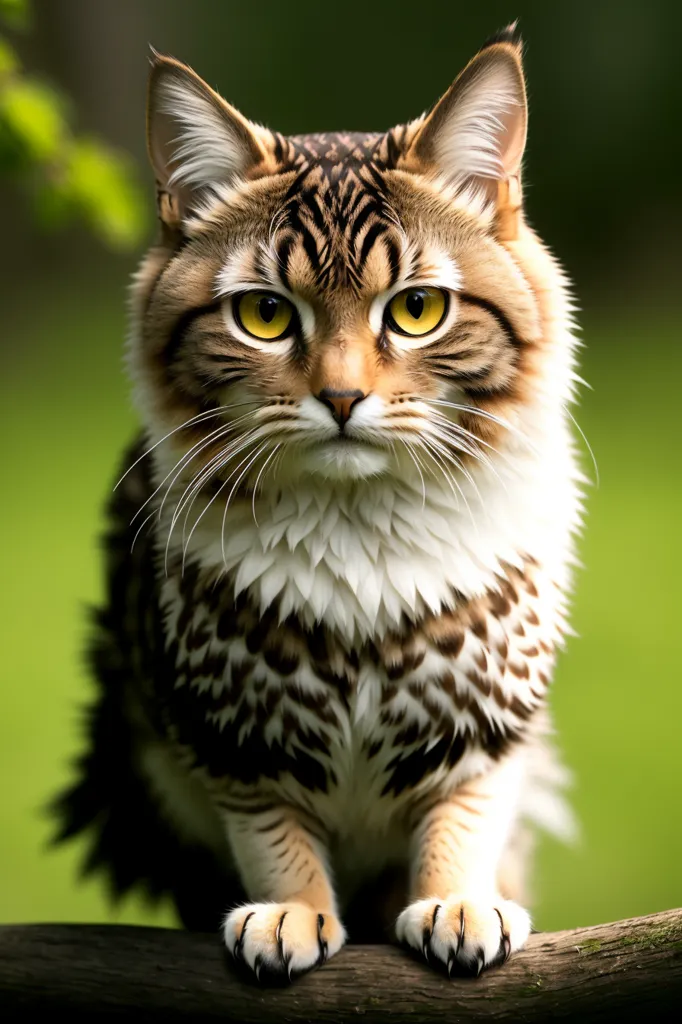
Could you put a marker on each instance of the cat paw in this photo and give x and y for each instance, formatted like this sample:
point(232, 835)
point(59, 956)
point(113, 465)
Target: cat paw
point(282, 939)
point(470, 934)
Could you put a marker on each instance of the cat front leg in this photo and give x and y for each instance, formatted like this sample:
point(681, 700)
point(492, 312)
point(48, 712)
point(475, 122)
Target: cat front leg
point(292, 924)
point(458, 918)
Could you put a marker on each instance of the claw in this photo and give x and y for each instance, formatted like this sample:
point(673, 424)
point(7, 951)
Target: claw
point(451, 961)
point(257, 965)
point(480, 960)
point(505, 942)
point(428, 933)
point(280, 943)
point(460, 938)
point(239, 944)
point(324, 948)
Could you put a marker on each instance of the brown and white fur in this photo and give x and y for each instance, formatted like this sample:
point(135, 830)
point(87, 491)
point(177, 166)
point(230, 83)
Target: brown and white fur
point(338, 566)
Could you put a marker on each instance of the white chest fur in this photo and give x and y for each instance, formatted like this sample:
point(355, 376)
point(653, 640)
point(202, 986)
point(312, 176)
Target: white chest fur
point(360, 555)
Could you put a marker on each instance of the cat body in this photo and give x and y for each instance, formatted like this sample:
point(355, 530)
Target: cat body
point(338, 561)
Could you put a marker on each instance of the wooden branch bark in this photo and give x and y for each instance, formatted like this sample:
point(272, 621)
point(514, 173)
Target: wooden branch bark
point(605, 973)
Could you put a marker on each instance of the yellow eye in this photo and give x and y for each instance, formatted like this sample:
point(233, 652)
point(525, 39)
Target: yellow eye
point(417, 311)
point(263, 314)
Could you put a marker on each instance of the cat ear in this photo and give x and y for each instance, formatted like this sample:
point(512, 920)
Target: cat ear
point(476, 133)
point(194, 138)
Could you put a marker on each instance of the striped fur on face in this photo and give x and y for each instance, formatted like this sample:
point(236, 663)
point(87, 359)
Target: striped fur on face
point(337, 226)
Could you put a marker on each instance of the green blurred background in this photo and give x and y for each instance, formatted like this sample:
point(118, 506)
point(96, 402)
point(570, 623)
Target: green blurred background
point(603, 187)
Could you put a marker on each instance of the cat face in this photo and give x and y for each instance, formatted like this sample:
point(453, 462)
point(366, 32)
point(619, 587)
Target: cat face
point(341, 304)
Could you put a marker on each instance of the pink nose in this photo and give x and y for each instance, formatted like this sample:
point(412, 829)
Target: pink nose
point(340, 403)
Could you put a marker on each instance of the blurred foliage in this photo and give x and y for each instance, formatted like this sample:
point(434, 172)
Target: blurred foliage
point(15, 13)
point(66, 175)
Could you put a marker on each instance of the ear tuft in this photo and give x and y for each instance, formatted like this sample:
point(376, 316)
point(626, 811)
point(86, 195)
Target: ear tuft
point(195, 139)
point(509, 34)
point(154, 55)
point(476, 133)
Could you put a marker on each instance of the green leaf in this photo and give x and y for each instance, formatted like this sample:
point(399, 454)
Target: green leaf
point(9, 62)
point(65, 176)
point(16, 13)
point(100, 183)
point(31, 115)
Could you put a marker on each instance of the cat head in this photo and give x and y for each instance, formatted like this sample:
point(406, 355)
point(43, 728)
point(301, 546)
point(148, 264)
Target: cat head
point(341, 304)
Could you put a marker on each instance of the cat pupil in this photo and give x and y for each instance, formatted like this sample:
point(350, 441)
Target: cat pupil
point(267, 307)
point(415, 305)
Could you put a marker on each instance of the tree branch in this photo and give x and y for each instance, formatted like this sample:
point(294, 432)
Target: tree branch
point(605, 973)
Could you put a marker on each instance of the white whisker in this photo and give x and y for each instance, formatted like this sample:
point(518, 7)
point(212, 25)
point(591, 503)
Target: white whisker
point(410, 452)
point(475, 441)
point(197, 482)
point(443, 470)
point(260, 473)
point(186, 458)
point(462, 444)
point(141, 528)
point(587, 443)
point(448, 441)
point(229, 428)
point(459, 465)
point(211, 466)
point(208, 505)
point(214, 466)
point(438, 449)
point(197, 488)
point(192, 421)
point(484, 414)
point(177, 468)
point(253, 456)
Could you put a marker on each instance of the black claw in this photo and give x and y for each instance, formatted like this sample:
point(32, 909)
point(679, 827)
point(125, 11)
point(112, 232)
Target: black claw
point(427, 934)
point(475, 963)
point(505, 942)
point(280, 943)
point(239, 944)
point(321, 942)
point(460, 937)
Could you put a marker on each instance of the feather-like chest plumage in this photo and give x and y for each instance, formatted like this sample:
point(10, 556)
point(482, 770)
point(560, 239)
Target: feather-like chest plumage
point(339, 711)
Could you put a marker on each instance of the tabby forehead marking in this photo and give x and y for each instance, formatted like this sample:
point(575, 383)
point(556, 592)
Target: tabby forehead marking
point(339, 213)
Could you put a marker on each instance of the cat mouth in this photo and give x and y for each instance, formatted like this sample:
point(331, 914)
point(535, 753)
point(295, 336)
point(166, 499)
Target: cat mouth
point(346, 447)
point(345, 456)
point(344, 440)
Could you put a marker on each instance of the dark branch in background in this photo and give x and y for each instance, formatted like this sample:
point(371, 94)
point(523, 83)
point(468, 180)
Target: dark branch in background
point(612, 972)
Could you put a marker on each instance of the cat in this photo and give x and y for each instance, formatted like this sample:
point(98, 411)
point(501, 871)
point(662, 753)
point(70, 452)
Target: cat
point(340, 556)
